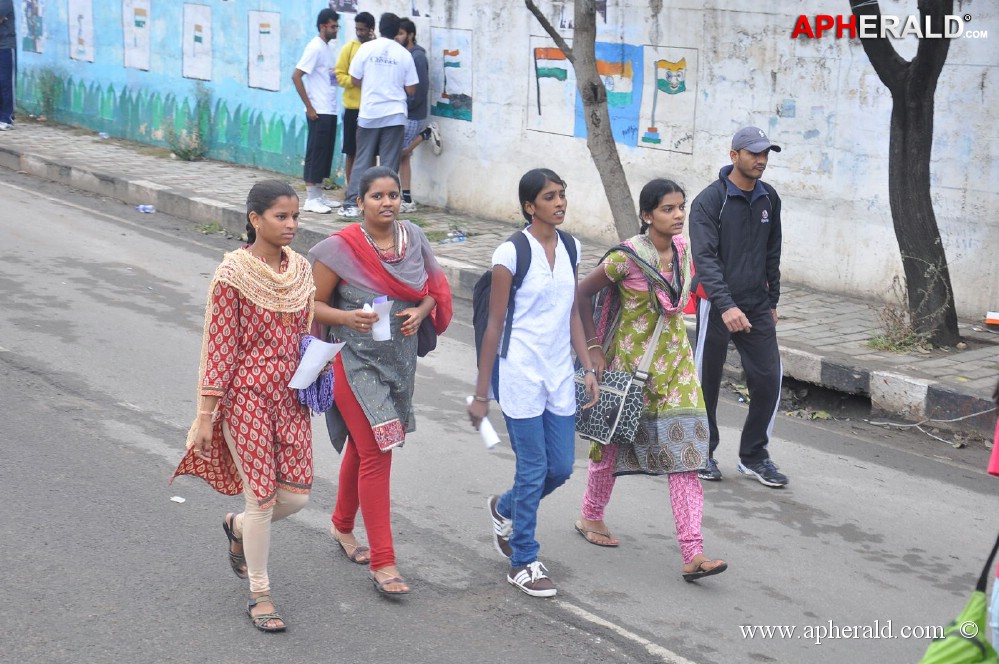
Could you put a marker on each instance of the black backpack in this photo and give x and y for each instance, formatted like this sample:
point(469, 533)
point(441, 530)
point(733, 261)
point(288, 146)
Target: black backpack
point(482, 288)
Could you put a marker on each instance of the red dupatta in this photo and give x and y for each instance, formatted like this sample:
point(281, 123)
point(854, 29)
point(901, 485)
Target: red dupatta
point(436, 285)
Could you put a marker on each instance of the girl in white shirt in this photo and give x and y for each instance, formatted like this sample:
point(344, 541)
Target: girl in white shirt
point(534, 382)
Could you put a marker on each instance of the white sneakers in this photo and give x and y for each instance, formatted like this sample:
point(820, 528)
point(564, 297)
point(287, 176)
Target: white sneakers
point(349, 212)
point(329, 202)
point(407, 207)
point(6, 126)
point(317, 206)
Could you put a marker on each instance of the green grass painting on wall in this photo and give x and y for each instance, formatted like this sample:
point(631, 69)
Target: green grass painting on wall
point(240, 135)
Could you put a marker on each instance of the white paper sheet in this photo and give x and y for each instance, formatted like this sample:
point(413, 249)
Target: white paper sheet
point(316, 357)
point(382, 329)
point(486, 430)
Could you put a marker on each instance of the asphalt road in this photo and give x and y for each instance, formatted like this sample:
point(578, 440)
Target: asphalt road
point(100, 325)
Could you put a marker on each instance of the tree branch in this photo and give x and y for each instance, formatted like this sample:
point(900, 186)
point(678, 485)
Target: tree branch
point(550, 29)
point(888, 64)
point(932, 53)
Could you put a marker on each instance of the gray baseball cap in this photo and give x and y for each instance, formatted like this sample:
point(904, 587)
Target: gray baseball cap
point(752, 139)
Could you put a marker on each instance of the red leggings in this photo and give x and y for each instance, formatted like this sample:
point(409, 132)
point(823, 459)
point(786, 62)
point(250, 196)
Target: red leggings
point(365, 472)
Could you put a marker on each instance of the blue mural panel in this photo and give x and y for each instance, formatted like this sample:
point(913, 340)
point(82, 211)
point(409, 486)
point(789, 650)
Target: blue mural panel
point(620, 67)
point(125, 67)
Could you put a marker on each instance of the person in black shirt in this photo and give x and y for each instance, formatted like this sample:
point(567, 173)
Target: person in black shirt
point(735, 234)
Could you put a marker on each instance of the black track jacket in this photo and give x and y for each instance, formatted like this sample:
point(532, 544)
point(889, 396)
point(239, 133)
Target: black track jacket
point(735, 244)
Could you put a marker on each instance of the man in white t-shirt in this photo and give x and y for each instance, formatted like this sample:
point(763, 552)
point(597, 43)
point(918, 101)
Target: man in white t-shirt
point(386, 74)
point(315, 81)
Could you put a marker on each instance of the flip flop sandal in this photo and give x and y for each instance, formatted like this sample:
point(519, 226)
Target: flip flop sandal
point(700, 572)
point(260, 621)
point(380, 586)
point(236, 560)
point(353, 552)
point(586, 533)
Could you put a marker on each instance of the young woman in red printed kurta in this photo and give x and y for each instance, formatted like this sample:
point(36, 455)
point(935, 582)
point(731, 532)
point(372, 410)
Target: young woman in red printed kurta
point(252, 436)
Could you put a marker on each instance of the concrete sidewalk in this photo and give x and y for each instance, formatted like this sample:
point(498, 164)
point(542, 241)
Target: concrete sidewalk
point(822, 335)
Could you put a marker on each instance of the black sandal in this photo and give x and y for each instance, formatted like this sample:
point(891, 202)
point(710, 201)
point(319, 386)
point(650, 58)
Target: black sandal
point(260, 621)
point(236, 560)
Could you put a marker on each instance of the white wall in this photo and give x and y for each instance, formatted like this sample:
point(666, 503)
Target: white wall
point(743, 68)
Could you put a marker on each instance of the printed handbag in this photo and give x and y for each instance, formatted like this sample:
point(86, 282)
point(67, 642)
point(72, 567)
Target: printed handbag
point(614, 418)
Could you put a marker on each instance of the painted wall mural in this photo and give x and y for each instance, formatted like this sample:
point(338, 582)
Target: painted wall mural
point(341, 6)
point(81, 30)
point(135, 26)
point(415, 8)
point(657, 114)
point(264, 50)
point(552, 97)
point(620, 68)
point(197, 47)
point(80, 57)
point(670, 95)
point(566, 10)
point(451, 73)
point(32, 26)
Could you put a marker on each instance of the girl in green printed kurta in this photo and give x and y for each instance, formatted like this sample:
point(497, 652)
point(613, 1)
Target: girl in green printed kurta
point(649, 277)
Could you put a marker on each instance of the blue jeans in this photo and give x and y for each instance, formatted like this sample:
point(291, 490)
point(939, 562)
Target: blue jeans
point(544, 447)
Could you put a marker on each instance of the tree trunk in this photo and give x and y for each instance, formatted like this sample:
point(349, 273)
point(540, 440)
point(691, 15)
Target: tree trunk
point(913, 85)
point(927, 276)
point(599, 136)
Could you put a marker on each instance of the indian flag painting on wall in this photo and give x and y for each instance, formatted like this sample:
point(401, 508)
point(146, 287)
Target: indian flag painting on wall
point(264, 28)
point(139, 16)
point(199, 36)
point(454, 103)
point(617, 78)
point(551, 63)
point(450, 61)
point(671, 76)
point(451, 80)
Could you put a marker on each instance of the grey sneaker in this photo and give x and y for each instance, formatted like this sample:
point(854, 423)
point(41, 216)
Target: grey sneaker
point(348, 212)
point(765, 471)
point(502, 527)
point(533, 580)
point(710, 471)
point(435, 138)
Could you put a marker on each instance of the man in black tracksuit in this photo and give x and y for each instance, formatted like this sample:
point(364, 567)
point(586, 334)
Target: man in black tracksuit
point(735, 236)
